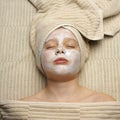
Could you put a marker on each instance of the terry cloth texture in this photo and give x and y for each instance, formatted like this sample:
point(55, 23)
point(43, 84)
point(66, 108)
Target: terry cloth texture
point(19, 76)
point(15, 110)
point(53, 14)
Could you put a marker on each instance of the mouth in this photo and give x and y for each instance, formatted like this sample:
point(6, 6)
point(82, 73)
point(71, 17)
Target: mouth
point(61, 61)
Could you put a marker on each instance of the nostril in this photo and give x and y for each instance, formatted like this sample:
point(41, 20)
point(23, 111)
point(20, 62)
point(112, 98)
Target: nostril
point(57, 51)
point(60, 51)
point(63, 51)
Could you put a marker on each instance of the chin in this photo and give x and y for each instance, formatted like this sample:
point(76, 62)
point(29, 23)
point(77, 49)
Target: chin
point(64, 72)
point(61, 71)
point(61, 75)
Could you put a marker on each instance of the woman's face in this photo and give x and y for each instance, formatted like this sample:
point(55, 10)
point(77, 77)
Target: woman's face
point(61, 53)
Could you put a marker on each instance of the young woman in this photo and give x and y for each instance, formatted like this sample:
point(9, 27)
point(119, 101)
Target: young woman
point(62, 56)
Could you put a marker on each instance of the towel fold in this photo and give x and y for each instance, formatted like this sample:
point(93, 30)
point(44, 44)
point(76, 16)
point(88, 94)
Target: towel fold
point(16, 110)
point(90, 16)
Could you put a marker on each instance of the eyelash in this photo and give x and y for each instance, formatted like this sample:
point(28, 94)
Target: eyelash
point(50, 47)
point(70, 46)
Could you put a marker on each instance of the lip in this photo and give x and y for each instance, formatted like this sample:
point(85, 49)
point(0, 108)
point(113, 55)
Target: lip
point(61, 61)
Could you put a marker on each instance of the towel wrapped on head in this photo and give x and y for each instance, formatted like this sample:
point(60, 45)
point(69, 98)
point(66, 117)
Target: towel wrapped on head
point(81, 18)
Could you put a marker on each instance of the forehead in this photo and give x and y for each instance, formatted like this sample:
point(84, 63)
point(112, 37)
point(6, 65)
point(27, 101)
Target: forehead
point(61, 34)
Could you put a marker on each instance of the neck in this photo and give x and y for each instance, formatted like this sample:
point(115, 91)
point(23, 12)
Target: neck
point(62, 91)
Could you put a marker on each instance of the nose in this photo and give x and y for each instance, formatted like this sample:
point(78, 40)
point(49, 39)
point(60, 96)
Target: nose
point(60, 51)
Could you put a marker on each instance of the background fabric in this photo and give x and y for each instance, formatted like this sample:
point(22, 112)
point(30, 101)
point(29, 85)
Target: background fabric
point(19, 76)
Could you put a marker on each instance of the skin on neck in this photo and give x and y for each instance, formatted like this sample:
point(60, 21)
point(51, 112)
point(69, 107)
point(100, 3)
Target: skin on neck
point(62, 90)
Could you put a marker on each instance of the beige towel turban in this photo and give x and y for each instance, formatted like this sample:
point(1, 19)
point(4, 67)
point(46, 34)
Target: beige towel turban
point(76, 15)
point(71, 15)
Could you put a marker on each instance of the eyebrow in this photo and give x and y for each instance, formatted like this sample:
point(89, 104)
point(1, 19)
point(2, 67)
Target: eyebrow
point(70, 39)
point(54, 39)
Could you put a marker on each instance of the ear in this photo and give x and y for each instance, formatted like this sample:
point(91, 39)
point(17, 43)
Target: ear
point(41, 5)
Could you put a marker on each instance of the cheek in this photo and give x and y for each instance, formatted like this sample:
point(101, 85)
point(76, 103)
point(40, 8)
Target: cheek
point(47, 56)
point(74, 56)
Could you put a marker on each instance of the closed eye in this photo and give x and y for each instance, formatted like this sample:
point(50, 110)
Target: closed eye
point(70, 46)
point(50, 47)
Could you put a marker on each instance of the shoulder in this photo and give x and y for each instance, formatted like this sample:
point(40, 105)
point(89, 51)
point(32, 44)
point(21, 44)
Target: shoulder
point(37, 97)
point(93, 96)
point(30, 98)
point(34, 98)
point(102, 97)
point(89, 95)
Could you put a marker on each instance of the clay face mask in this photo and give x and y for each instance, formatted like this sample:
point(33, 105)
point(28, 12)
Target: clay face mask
point(61, 54)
